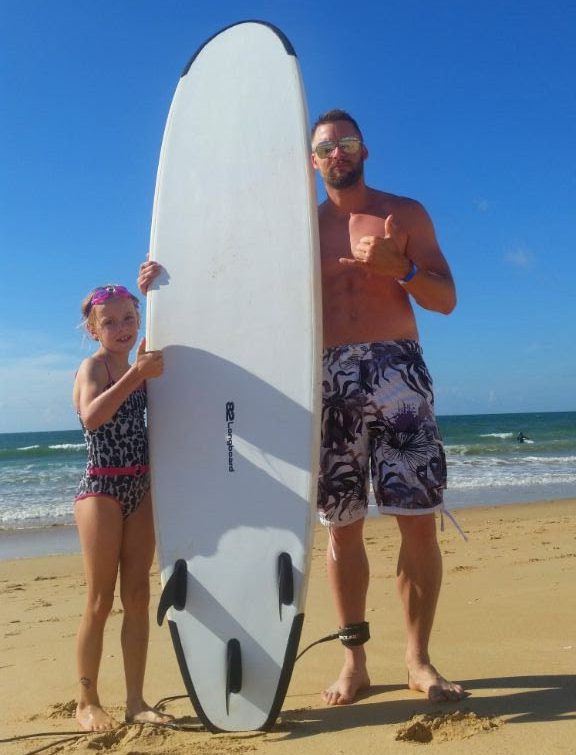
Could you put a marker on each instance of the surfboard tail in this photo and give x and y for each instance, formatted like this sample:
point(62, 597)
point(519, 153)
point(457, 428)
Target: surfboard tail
point(233, 683)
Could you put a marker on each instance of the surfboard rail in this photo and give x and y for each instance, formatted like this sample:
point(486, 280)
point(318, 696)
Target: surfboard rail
point(234, 421)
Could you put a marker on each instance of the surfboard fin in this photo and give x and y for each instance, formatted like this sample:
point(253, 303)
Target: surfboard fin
point(285, 581)
point(174, 592)
point(233, 670)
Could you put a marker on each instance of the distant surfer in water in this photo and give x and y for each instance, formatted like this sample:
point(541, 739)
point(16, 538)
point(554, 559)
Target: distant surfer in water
point(113, 507)
point(377, 252)
point(521, 438)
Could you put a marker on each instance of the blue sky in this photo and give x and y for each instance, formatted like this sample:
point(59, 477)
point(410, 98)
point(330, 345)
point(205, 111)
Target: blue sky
point(468, 107)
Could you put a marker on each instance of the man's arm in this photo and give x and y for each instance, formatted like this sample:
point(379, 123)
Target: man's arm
point(407, 238)
point(432, 286)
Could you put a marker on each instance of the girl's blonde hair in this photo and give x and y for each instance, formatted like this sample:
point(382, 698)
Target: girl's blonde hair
point(87, 306)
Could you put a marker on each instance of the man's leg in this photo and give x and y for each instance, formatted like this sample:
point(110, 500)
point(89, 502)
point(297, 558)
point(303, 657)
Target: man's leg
point(419, 579)
point(348, 576)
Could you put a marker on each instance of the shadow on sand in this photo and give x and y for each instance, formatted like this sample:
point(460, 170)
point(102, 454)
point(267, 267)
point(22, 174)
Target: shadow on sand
point(519, 699)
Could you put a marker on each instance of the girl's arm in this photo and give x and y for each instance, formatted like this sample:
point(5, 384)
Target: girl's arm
point(96, 405)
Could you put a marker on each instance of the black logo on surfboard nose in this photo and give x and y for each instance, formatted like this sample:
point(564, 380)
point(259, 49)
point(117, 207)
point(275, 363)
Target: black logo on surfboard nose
point(230, 416)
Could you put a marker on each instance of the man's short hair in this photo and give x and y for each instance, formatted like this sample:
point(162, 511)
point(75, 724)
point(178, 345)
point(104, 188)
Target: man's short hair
point(331, 117)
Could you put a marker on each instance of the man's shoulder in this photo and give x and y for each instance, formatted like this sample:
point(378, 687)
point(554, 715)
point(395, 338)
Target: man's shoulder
point(386, 199)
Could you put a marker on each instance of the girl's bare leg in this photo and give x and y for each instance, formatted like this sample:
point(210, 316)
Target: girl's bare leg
point(99, 521)
point(135, 561)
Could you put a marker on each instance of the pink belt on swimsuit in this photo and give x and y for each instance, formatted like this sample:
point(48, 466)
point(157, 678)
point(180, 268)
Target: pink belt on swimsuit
point(135, 471)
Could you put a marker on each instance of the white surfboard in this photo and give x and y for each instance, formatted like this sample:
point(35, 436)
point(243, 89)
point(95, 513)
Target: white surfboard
point(234, 420)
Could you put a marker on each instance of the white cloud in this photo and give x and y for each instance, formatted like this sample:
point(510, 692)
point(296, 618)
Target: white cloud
point(36, 393)
point(533, 348)
point(520, 257)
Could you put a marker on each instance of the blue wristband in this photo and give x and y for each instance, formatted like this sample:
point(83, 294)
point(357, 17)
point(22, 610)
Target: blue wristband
point(411, 273)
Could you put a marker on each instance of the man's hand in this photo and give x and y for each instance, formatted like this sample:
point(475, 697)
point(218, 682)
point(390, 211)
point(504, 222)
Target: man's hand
point(382, 255)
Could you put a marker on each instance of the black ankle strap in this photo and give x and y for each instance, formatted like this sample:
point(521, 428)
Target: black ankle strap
point(354, 634)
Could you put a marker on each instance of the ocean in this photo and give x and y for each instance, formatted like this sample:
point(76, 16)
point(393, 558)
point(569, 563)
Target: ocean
point(487, 465)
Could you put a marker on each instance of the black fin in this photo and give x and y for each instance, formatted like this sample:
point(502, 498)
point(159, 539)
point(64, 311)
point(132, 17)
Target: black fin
point(285, 581)
point(233, 669)
point(174, 592)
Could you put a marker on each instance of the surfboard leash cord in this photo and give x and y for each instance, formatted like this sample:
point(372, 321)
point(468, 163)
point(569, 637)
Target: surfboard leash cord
point(62, 737)
point(350, 636)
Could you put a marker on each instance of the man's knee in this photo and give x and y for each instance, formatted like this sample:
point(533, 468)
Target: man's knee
point(421, 528)
point(347, 538)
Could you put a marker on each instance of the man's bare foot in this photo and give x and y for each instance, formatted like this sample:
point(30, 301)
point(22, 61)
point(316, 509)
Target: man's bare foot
point(148, 716)
point(346, 688)
point(94, 718)
point(425, 678)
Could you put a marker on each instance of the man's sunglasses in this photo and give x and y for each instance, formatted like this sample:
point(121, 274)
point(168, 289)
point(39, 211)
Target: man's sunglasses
point(350, 145)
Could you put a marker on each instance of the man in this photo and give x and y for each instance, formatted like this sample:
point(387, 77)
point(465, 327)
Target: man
point(378, 251)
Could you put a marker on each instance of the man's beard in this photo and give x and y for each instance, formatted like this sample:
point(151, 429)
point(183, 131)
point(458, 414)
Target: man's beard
point(344, 180)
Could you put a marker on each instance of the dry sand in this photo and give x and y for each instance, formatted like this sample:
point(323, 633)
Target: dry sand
point(505, 628)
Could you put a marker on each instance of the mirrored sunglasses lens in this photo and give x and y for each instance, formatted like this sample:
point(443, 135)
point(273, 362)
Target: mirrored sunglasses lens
point(350, 145)
point(324, 148)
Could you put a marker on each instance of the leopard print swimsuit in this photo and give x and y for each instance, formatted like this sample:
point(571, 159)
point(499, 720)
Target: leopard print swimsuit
point(118, 455)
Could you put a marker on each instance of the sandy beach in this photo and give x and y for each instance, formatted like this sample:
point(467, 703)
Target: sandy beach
point(505, 628)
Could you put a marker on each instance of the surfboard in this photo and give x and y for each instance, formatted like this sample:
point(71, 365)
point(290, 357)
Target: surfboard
point(234, 419)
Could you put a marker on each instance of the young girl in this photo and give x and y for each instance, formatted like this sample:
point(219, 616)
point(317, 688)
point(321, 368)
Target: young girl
point(113, 507)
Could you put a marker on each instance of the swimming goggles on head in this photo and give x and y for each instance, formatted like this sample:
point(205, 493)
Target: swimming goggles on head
point(103, 293)
point(350, 145)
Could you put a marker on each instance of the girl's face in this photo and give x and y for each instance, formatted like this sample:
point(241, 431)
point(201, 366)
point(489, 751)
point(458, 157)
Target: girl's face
point(116, 324)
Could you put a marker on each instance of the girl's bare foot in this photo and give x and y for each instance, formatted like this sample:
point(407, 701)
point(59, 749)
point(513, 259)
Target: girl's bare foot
point(148, 716)
point(94, 718)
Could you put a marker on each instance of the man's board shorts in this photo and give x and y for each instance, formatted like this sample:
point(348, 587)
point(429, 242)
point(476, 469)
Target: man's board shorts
point(378, 417)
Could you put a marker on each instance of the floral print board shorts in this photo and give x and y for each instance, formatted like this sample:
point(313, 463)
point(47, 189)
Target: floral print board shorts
point(378, 417)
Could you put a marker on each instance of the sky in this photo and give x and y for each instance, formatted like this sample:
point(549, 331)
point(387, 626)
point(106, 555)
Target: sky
point(468, 107)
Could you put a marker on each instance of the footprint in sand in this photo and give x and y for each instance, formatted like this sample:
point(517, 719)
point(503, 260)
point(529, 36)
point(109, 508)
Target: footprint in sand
point(13, 588)
point(445, 727)
point(40, 603)
point(150, 738)
point(62, 710)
